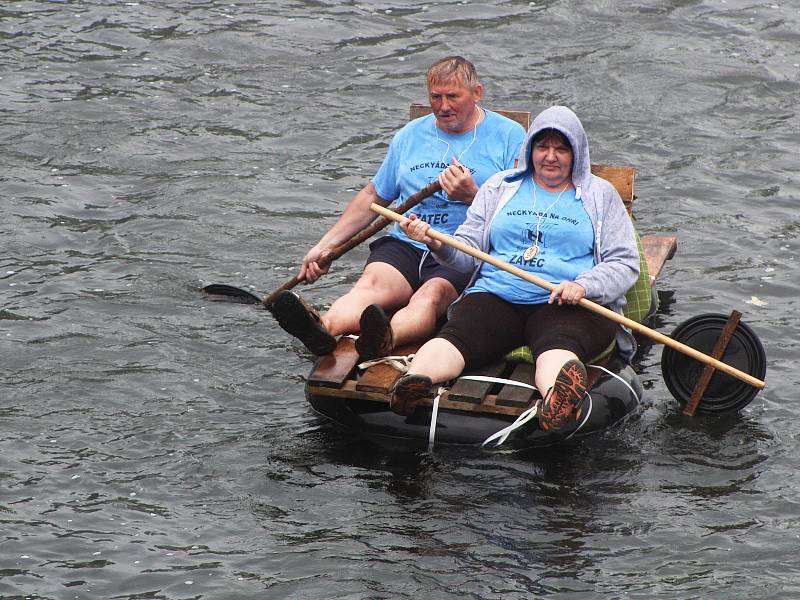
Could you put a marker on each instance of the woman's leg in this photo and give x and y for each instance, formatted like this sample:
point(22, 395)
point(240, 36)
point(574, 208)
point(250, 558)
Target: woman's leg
point(548, 365)
point(481, 327)
point(572, 336)
point(438, 359)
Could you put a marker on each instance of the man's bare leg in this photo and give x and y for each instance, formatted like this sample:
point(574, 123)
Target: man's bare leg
point(417, 320)
point(380, 284)
point(413, 322)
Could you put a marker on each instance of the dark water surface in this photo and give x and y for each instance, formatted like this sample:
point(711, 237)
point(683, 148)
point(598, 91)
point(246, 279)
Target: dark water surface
point(155, 445)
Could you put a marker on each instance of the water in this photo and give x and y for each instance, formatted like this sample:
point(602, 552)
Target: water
point(155, 445)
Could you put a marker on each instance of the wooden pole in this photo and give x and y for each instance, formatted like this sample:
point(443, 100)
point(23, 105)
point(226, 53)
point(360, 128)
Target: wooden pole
point(588, 304)
point(363, 235)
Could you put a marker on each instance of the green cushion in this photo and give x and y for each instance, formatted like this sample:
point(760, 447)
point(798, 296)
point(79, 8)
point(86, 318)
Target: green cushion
point(638, 297)
point(638, 301)
point(525, 354)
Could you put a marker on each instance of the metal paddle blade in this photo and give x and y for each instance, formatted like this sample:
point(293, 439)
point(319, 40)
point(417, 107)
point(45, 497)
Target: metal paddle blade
point(724, 393)
point(220, 292)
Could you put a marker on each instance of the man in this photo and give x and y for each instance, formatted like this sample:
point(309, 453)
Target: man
point(461, 145)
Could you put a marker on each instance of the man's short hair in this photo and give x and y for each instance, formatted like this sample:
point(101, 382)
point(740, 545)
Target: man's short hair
point(453, 67)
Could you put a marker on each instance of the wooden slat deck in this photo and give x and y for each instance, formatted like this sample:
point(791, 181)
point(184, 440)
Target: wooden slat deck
point(335, 369)
point(349, 391)
point(518, 396)
point(380, 378)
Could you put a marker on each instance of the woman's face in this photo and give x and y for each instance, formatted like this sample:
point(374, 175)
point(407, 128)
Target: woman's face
point(552, 161)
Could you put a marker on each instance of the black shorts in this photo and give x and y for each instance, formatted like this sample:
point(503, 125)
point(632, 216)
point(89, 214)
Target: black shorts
point(409, 261)
point(482, 327)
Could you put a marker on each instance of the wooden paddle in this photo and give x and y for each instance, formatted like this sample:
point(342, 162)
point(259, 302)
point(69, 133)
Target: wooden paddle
point(243, 296)
point(588, 304)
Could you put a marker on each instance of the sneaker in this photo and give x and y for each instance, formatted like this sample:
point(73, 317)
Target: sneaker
point(300, 320)
point(408, 391)
point(375, 337)
point(564, 401)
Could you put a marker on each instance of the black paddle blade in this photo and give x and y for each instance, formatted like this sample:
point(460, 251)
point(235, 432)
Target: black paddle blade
point(724, 392)
point(220, 292)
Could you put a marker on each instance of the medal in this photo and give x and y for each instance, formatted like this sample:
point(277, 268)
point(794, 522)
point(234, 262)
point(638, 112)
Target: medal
point(531, 252)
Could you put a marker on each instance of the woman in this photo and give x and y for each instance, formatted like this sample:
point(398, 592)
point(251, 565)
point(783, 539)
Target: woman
point(551, 217)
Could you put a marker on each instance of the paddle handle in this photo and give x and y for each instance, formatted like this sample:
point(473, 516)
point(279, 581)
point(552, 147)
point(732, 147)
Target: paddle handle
point(588, 304)
point(361, 236)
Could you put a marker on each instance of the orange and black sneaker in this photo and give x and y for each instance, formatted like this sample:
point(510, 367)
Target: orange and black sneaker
point(563, 404)
point(408, 391)
point(375, 336)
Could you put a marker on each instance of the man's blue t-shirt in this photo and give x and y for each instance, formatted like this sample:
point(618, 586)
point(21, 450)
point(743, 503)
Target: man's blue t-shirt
point(565, 240)
point(420, 151)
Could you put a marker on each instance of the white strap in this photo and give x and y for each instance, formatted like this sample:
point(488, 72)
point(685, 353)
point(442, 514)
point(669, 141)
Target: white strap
point(523, 418)
point(590, 404)
point(498, 380)
point(503, 434)
point(398, 362)
point(434, 416)
point(628, 385)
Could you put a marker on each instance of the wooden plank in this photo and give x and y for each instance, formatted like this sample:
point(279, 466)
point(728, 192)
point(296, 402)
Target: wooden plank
point(348, 391)
point(378, 378)
point(335, 368)
point(518, 396)
point(523, 117)
point(476, 392)
point(621, 178)
point(381, 377)
point(658, 249)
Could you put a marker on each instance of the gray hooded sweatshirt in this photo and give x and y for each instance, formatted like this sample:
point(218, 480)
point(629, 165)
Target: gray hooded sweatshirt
point(616, 258)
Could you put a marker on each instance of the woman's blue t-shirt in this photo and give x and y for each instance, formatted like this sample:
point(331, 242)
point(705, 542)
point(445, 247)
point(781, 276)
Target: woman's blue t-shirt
point(565, 240)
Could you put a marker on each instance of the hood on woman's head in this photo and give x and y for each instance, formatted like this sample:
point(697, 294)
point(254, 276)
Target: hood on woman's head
point(563, 120)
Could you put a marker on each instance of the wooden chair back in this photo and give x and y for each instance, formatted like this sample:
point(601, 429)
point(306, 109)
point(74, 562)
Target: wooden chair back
point(523, 117)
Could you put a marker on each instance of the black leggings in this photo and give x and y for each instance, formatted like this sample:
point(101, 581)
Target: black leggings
point(482, 327)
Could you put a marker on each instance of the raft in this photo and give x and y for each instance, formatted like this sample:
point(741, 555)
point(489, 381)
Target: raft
point(482, 403)
point(499, 397)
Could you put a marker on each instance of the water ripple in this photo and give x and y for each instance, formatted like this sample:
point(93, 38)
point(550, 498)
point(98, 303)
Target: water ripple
point(159, 445)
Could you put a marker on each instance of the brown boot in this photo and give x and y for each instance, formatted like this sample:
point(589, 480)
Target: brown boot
point(375, 337)
point(564, 401)
point(408, 391)
point(303, 322)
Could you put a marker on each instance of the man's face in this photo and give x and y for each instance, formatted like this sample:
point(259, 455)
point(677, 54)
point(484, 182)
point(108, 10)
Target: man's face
point(454, 105)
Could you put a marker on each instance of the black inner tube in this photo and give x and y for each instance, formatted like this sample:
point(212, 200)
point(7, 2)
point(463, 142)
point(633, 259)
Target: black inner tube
point(724, 392)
